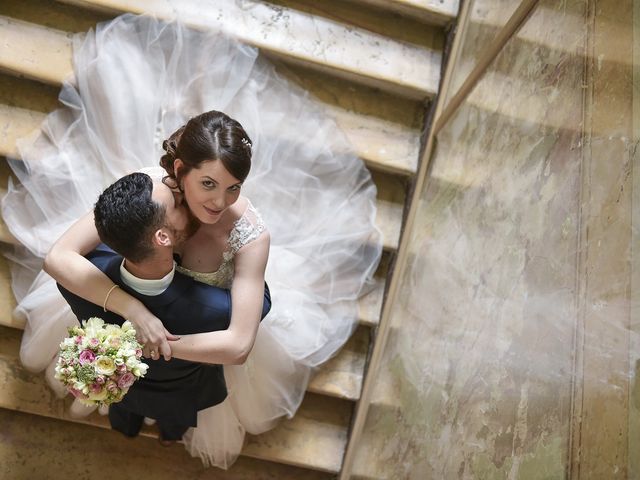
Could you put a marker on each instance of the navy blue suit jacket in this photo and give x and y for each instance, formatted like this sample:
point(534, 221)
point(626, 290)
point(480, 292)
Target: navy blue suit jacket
point(172, 391)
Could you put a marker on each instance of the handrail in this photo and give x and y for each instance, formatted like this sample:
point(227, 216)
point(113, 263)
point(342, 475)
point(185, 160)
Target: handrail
point(488, 56)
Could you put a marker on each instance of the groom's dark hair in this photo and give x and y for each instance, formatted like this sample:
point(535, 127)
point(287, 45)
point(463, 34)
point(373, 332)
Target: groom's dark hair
point(126, 216)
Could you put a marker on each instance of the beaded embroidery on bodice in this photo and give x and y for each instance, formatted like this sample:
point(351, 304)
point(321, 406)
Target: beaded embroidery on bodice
point(245, 230)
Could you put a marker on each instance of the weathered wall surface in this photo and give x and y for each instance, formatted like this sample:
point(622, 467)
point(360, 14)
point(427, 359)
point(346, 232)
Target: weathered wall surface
point(514, 342)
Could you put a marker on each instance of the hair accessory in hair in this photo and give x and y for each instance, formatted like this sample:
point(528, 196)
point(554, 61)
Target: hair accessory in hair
point(245, 141)
point(169, 146)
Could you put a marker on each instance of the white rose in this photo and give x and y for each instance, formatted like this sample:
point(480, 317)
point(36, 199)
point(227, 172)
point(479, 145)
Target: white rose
point(127, 326)
point(140, 370)
point(112, 330)
point(93, 326)
point(73, 331)
point(128, 352)
point(132, 362)
point(94, 322)
point(105, 365)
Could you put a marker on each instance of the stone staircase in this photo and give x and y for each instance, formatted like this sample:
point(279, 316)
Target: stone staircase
point(374, 65)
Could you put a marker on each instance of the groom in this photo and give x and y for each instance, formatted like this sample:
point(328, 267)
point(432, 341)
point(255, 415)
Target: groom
point(130, 218)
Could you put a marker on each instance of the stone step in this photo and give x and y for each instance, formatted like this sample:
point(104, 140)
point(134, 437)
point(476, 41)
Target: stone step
point(341, 376)
point(5, 235)
point(44, 54)
point(52, 14)
point(16, 122)
point(294, 35)
point(315, 438)
point(40, 53)
point(39, 439)
point(370, 304)
point(436, 12)
point(389, 220)
point(383, 21)
point(7, 300)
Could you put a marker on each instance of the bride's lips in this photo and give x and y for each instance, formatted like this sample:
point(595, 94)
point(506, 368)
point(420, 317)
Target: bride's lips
point(212, 212)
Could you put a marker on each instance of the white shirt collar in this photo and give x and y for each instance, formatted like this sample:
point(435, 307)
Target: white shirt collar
point(143, 286)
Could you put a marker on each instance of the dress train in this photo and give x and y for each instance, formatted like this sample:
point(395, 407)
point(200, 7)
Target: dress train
point(137, 80)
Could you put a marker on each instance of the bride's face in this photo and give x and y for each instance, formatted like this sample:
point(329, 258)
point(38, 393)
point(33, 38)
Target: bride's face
point(209, 190)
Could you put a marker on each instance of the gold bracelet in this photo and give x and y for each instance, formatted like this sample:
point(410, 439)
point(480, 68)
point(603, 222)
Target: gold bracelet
point(104, 305)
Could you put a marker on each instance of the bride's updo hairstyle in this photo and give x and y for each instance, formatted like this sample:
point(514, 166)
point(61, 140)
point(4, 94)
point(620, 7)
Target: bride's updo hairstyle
point(209, 136)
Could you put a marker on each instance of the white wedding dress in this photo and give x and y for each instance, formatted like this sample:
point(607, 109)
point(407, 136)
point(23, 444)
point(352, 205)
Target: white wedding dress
point(138, 79)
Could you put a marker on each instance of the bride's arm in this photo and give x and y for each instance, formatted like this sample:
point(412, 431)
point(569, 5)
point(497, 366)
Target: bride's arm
point(232, 346)
point(66, 264)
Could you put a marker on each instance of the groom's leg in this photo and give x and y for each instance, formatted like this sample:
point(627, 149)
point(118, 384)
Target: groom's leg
point(170, 431)
point(124, 421)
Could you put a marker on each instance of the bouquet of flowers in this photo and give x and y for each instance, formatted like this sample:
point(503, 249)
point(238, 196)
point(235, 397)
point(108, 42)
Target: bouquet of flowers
point(98, 362)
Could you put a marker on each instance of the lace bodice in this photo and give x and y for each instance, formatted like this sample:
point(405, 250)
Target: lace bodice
point(245, 230)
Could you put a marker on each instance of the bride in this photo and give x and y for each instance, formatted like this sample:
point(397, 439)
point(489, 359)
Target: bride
point(136, 79)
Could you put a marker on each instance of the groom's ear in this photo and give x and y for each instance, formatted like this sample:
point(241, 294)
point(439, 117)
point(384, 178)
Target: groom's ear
point(162, 238)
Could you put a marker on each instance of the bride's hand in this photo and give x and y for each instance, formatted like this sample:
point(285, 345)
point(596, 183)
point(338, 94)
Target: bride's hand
point(152, 335)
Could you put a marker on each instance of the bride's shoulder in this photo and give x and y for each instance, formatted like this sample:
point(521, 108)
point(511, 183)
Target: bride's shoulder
point(243, 210)
point(247, 226)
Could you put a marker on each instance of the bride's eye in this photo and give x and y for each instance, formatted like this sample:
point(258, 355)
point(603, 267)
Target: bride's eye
point(208, 184)
point(234, 188)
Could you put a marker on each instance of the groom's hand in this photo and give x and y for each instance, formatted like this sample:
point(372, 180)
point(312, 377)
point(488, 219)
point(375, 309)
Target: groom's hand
point(157, 346)
point(152, 335)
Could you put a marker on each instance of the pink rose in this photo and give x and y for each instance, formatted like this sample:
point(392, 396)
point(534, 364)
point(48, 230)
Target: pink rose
point(112, 387)
point(100, 380)
point(86, 356)
point(76, 393)
point(96, 388)
point(126, 380)
point(139, 353)
point(121, 368)
point(94, 342)
point(79, 340)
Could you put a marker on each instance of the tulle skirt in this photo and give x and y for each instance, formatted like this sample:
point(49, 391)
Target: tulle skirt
point(136, 80)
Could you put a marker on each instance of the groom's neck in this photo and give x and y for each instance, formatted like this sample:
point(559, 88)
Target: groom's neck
point(154, 268)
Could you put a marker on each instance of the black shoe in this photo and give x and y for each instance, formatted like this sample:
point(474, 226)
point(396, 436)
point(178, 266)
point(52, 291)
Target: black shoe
point(165, 443)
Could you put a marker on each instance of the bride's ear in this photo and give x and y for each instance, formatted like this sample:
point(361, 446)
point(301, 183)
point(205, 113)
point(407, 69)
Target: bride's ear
point(162, 238)
point(177, 166)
